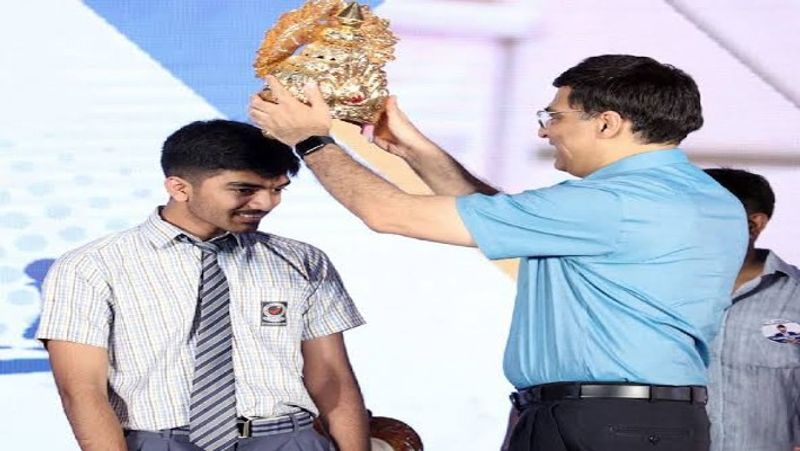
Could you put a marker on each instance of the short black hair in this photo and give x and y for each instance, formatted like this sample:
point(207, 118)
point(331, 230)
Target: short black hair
point(661, 101)
point(752, 190)
point(205, 147)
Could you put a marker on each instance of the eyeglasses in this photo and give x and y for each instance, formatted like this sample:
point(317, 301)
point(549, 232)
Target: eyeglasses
point(546, 116)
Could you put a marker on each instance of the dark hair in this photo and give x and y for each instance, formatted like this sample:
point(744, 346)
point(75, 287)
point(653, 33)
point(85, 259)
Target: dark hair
point(661, 101)
point(204, 147)
point(752, 190)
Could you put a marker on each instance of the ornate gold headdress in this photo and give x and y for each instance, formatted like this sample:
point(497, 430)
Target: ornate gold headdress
point(345, 47)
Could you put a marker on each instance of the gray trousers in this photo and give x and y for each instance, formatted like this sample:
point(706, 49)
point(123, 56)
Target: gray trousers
point(297, 440)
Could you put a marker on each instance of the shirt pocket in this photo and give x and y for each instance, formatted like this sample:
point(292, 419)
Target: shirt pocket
point(752, 348)
point(770, 354)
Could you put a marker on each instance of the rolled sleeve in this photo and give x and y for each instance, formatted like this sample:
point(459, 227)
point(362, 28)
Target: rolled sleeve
point(75, 303)
point(569, 219)
point(331, 309)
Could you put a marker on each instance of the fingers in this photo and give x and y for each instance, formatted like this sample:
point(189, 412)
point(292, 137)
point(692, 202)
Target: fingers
point(368, 131)
point(257, 102)
point(391, 103)
point(380, 142)
point(314, 96)
point(260, 118)
point(393, 108)
point(256, 99)
point(280, 93)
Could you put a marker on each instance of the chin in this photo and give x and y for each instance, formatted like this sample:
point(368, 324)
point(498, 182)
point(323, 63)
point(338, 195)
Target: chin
point(243, 228)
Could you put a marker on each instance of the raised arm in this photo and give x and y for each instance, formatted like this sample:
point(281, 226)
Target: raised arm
point(81, 374)
point(333, 387)
point(381, 205)
point(442, 173)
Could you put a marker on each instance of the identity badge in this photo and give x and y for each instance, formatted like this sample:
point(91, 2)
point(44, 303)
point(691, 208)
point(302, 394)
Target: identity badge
point(781, 331)
point(273, 313)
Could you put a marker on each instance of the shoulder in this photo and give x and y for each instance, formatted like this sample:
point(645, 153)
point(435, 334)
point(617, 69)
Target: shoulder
point(94, 250)
point(583, 194)
point(94, 256)
point(591, 197)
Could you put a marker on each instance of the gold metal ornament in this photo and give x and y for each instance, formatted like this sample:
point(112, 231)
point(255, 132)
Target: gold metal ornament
point(344, 49)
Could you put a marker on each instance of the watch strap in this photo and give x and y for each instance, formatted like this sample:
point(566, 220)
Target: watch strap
point(312, 144)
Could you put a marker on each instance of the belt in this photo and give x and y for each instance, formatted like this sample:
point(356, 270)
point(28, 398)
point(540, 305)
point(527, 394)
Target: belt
point(257, 427)
point(522, 398)
point(249, 427)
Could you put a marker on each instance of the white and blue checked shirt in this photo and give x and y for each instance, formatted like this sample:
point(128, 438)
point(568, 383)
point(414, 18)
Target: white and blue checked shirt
point(135, 293)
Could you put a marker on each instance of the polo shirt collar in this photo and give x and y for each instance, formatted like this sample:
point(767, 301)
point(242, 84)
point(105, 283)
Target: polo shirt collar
point(645, 160)
point(162, 234)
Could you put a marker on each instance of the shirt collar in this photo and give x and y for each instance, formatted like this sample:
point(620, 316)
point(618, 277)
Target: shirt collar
point(774, 264)
point(645, 160)
point(162, 234)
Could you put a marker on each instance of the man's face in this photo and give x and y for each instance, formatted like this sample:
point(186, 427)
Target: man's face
point(233, 201)
point(782, 329)
point(572, 135)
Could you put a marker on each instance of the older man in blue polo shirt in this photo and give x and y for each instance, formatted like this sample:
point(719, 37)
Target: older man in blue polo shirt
point(639, 254)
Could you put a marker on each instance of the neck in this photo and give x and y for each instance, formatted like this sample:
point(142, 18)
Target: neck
point(619, 150)
point(753, 266)
point(177, 215)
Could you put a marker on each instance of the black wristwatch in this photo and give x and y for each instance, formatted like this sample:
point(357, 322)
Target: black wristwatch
point(312, 144)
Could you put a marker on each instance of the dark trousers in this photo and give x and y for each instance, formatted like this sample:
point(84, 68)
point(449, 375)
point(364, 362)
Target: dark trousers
point(603, 424)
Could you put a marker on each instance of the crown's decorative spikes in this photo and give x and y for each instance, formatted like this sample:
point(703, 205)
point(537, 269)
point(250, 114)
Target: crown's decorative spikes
point(339, 44)
point(351, 15)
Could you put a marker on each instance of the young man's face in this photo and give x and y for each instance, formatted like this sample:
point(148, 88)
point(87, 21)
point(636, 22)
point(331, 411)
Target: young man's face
point(572, 135)
point(233, 201)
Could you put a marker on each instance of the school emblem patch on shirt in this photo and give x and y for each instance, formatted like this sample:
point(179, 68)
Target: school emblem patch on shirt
point(273, 313)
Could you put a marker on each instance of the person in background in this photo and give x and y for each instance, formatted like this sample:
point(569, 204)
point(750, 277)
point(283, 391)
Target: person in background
point(754, 382)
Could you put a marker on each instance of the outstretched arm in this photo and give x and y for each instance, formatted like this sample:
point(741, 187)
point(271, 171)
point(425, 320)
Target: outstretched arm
point(395, 134)
point(333, 387)
point(381, 205)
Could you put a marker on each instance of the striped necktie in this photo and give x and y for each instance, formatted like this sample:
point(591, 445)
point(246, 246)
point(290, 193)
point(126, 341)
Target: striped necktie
point(212, 413)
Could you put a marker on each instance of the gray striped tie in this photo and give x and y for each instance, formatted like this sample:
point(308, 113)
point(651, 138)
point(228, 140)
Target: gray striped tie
point(212, 423)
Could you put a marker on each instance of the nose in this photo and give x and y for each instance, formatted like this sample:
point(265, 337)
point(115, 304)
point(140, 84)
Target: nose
point(265, 200)
point(542, 132)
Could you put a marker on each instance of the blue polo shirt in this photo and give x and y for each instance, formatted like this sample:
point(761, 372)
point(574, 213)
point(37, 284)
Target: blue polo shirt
point(624, 274)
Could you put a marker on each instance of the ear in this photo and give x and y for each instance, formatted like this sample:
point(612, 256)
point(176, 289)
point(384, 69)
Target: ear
point(609, 124)
point(179, 189)
point(756, 223)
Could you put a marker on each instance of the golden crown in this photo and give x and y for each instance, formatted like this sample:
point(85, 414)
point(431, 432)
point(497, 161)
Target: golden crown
point(344, 49)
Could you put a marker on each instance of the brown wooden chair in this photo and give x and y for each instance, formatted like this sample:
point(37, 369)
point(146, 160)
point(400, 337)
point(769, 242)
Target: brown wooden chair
point(386, 434)
point(389, 434)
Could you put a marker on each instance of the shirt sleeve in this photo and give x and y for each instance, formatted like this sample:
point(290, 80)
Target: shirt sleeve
point(75, 303)
point(330, 308)
point(569, 219)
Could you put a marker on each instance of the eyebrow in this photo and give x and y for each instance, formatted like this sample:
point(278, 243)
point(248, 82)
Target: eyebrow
point(255, 185)
point(244, 185)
